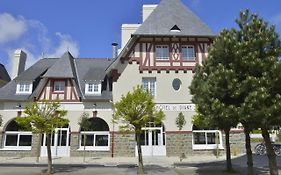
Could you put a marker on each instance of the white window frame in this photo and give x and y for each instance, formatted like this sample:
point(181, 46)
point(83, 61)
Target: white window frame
point(93, 92)
point(24, 88)
point(60, 83)
point(188, 58)
point(94, 148)
point(206, 145)
point(162, 57)
point(18, 147)
point(149, 81)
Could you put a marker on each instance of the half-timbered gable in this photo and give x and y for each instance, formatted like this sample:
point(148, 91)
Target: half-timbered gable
point(59, 81)
point(178, 53)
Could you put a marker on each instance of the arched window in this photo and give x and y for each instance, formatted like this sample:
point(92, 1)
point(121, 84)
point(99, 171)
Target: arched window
point(97, 136)
point(206, 138)
point(16, 137)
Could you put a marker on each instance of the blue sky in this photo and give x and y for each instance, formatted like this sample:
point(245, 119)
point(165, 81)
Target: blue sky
point(88, 27)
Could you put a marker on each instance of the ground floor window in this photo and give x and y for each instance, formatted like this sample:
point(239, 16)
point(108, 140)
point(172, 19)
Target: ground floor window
point(16, 138)
point(206, 139)
point(96, 137)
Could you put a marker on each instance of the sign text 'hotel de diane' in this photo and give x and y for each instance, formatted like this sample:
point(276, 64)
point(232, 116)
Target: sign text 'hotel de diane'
point(175, 107)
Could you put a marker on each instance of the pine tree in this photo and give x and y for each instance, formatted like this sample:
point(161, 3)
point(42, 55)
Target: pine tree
point(241, 82)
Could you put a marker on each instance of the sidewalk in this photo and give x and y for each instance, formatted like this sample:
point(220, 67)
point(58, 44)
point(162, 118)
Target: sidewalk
point(109, 161)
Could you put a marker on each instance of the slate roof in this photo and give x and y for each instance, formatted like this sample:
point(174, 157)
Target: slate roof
point(62, 68)
point(81, 70)
point(170, 13)
point(4, 76)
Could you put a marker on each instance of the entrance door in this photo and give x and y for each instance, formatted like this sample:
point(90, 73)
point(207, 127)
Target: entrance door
point(59, 143)
point(153, 141)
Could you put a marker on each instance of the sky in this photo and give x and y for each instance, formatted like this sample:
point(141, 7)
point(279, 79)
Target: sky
point(87, 28)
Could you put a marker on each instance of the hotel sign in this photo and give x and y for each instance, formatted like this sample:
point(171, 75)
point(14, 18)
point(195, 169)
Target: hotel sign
point(175, 107)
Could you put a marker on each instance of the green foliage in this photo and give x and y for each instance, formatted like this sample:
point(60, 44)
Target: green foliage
point(84, 121)
point(136, 109)
point(43, 117)
point(180, 121)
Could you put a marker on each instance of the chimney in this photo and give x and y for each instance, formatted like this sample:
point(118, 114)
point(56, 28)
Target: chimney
point(147, 9)
point(114, 50)
point(18, 63)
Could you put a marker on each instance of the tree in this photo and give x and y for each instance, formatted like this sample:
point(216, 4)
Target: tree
point(180, 121)
point(242, 72)
point(85, 124)
point(212, 87)
point(258, 50)
point(134, 111)
point(43, 118)
point(1, 120)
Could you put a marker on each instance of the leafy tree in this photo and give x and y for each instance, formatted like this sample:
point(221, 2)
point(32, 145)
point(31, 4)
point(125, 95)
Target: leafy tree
point(134, 111)
point(43, 118)
point(212, 88)
point(180, 121)
point(85, 124)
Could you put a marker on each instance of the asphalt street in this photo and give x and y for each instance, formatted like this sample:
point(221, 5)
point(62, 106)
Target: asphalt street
point(211, 168)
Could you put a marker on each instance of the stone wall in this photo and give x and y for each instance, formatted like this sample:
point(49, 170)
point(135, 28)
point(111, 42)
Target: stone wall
point(178, 143)
point(124, 145)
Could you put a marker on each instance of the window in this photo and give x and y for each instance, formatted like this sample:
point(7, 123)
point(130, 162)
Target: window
point(96, 135)
point(188, 52)
point(206, 139)
point(92, 88)
point(150, 85)
point(176, 84)
point(59, 86)
point(162, 52)
point(24, 88)
point(15, 139)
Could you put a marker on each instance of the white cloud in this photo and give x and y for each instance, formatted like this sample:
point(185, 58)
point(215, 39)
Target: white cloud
point(32, 37)
point(66, 44)
point(11, 28)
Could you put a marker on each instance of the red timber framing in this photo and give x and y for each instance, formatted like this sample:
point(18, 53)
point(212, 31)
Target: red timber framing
point(143, 53)
point(68, 95)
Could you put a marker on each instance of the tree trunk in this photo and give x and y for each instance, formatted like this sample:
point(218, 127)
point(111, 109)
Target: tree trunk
point(50, 166)
point(270, 152)
point(141, 167)
point(39, 148)
point(248, 150)
point(228, 153)
point(84, 151)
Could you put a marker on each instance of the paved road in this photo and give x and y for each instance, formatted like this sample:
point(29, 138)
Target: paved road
point(212, 168)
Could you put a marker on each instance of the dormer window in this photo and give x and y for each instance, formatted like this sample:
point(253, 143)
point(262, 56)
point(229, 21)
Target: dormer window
point(59, 86)
point(24, 88)
point(93, 88)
